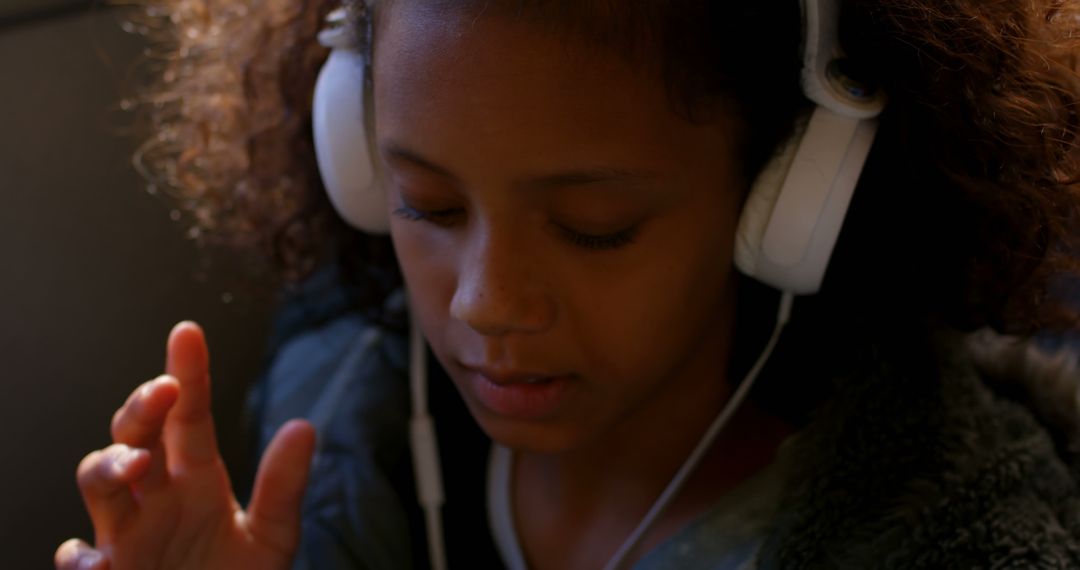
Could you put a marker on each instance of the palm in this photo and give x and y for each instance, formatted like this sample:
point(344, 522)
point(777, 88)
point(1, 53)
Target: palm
point(192, 521)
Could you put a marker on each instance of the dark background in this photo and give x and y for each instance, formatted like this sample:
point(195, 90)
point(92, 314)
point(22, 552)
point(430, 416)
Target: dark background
point(19, 11)
point(93, 272)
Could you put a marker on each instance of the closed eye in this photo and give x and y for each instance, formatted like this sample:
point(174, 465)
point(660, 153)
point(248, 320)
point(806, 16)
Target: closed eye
point(437, 217)
point(614, 240)
point(449, 216)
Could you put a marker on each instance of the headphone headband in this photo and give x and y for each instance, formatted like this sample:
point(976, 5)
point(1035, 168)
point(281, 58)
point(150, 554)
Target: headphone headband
point(826, 80)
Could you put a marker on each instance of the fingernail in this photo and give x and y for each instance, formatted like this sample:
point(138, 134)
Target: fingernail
point(176, 328)
point(144, 392)
point(124, 459)
point(89, 560)
point(184, 323)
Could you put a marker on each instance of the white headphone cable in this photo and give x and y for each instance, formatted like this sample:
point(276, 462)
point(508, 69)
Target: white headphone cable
point(425, 449)
point(673, 488)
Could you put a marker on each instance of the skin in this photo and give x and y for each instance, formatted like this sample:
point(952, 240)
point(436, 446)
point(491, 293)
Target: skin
point(471, 114)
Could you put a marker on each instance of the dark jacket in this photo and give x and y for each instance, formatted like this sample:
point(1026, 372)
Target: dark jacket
point(962, 455)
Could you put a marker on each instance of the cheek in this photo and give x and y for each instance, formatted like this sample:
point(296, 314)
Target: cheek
point(427, 263)
point(650, 326)
point(673, 294)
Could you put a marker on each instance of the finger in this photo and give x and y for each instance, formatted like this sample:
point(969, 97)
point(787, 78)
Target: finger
point(139, 423)
point(189, 428)
point(156, 476)
point(75, 554)
point(104, 478)
point(274, 512)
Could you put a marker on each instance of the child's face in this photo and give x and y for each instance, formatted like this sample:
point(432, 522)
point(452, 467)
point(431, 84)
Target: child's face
point(523, 151)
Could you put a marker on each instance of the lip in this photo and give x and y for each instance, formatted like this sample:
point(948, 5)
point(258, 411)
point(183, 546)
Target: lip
point(504, 377)
point(517, 394)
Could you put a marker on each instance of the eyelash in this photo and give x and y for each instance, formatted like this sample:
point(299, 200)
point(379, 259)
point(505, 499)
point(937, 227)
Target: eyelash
point(619, 239)
point(438, 217)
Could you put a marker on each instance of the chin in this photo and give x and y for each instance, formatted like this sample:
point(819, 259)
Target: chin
point(541, 437)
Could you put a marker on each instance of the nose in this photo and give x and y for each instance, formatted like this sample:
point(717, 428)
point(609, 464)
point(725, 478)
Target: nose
point(497, 291)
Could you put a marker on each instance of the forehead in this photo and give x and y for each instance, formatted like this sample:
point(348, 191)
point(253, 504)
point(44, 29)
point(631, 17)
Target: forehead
point(492, 39)
point(500, 82)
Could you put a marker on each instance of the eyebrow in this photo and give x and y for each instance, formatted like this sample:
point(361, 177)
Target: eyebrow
point(575, 177)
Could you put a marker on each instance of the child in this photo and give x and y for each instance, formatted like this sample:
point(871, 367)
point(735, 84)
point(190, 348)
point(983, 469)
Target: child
point(568, 187)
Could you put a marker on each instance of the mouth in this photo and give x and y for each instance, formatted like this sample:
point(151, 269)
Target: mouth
point(509, 377)
point(519, 394)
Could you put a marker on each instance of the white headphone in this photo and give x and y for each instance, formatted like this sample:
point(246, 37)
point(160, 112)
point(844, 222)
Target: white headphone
point(792, 216)
point(786, 234)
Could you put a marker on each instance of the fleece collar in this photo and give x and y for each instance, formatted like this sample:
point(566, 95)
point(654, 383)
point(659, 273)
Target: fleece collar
point(958, 456)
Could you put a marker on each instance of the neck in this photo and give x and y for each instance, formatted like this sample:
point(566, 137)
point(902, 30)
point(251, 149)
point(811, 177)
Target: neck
point(628, 473)
point(632, 462)
point(575, 510)
point(596, 494)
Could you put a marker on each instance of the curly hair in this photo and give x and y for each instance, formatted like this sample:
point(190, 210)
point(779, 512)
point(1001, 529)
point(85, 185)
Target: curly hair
point(979, 156)
point(966, 210)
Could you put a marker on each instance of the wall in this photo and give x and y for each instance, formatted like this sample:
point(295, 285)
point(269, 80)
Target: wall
point(93, 274)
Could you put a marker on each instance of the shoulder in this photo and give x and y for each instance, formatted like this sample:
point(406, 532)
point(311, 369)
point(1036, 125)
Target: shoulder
point(347, 375)
point(337, 368)
point(926, 458)
point(329, 363)
point(1042, 374)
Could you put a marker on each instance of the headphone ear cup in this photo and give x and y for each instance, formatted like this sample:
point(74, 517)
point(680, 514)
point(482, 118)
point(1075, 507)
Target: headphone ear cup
point(341, 143)
point(758, 208)
point(796, 207)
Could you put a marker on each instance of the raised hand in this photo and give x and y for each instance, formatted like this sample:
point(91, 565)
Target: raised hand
point(160, 497)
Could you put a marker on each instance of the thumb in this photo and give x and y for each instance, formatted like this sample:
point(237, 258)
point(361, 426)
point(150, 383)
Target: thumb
point(274, 512)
